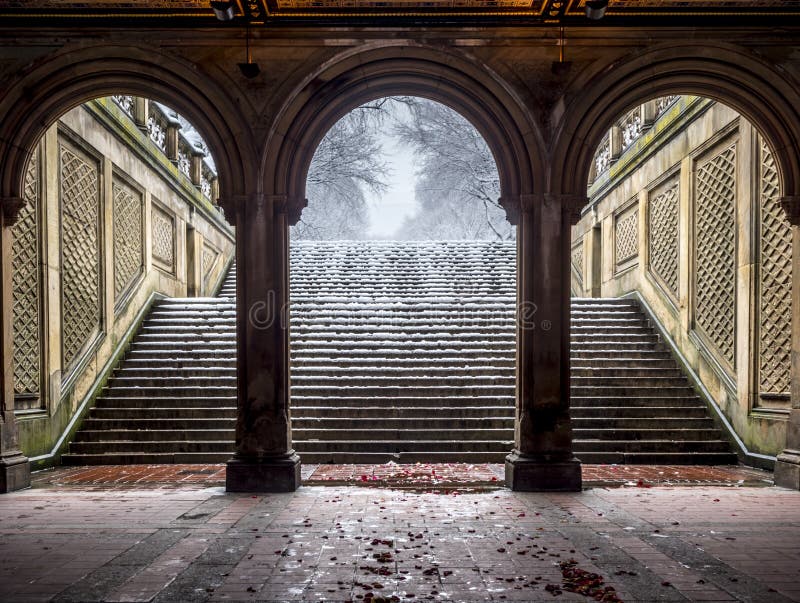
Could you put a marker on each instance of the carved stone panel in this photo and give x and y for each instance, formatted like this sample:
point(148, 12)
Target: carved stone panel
point(626, 236)
point(128, 248)
point(163, 235)
point(775, 289)
point(208, 261)
point(715, 252)
point(80, 251)
point(662, 240)
point(577, 259)
point(27, 294)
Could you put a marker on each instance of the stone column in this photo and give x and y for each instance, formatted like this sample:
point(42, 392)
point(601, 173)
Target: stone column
point(264, 460)
point(542, 458)
point(787, 467)
point(15, 469)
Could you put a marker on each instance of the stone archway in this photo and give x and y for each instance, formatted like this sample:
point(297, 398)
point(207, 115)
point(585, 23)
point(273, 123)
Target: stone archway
point(35, 100)
point(766, 97)
point(542, 459)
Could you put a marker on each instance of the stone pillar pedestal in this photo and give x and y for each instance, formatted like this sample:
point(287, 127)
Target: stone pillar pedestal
point(264, 460)
point(787, 467)
point(542, 459)
point(15, 469)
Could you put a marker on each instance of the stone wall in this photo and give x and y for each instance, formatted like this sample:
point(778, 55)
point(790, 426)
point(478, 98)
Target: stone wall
point(687, 216)
point(111, 224)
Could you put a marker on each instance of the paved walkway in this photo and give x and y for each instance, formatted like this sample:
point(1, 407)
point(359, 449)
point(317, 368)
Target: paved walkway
point(414, 476)
point(186, 540)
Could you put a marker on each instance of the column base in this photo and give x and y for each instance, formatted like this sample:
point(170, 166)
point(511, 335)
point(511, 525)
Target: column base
point(526, 474)
point(15, 473)
point(280, 474)
point(787, 470)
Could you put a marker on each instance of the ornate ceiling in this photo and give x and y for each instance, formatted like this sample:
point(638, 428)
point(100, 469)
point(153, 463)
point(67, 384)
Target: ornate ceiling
point(571, 12)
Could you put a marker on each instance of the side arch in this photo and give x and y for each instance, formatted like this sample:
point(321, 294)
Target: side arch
point(64, 80)
point(766, 97)
point(359, 76)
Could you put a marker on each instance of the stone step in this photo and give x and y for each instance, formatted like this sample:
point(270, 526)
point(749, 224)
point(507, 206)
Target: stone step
point(95, 433)
point(429, 370)
point(174, 391)
point(379, 354)
point(117, 401)
point(158, 354)
point(645, 411)
point(160, 371)
point(675, 436)
point(658, 458)
point(301, 382)
point(647, 422)
point(600, 380)
point(162, 446)
point(143, 361)
point(405, 346)
point(345, 409)
point(193, 424)
point(652, 445)
point(402, 434)
point(604, 374)
point(162, 383)
point(394, 423)
point(311, 364)
point(365, 458)
point(404, 445)
point(159, 413)
point(626, 401)
point(622, 363)
point(440, 391)
point(155, 458)
point(646, 391)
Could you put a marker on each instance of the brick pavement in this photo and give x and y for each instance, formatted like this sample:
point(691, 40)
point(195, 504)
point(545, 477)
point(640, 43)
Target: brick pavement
point(419, 475)
point(189, 541)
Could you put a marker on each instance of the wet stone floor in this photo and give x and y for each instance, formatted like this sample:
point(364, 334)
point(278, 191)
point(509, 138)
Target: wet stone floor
point(163, 535)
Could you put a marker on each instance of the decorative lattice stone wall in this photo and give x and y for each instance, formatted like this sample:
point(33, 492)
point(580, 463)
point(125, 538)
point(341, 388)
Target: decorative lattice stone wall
point(775, 286)
point(626, 236)
point(128, 246)
point(715, 252)
point(27, 294)
point(80, 250)
point(662, 240)
point(163, 234)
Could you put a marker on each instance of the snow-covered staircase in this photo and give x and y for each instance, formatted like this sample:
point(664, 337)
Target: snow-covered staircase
point(400, 351)
point(403, 351)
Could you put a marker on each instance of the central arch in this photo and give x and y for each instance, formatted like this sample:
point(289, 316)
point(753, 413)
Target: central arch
point(542, 457)
point(358, 77)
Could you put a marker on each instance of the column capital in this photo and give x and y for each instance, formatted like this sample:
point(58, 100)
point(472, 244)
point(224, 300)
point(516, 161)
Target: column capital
point(571, 205)
point(232, 206)
point(511, 205)
point(292, 206)
point(11, 206)
point(791, 207)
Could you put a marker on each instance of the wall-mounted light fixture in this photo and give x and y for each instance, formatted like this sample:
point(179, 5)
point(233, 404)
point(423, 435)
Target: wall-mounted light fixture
point(596, 9)
point(223, 9)
point(249, 69)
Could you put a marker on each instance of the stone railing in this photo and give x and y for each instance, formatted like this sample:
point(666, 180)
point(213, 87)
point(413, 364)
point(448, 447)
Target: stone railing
point(626, 131)
point(165, 130)
point(687, 220)
point(110, 225)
